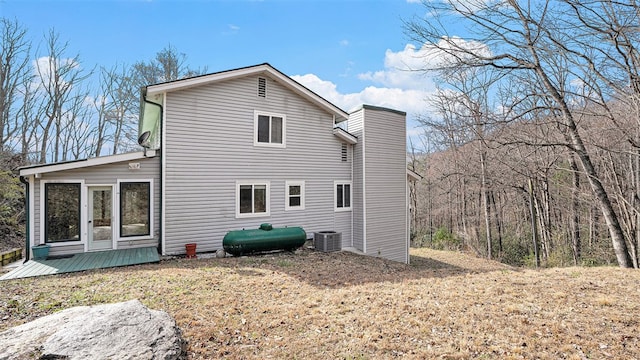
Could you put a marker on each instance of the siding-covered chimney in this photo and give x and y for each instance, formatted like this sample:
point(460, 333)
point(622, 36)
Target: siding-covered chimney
point(380, 224)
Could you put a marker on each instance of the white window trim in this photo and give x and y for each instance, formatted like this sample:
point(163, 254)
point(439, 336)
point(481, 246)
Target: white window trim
point(117, 211)
point(83, 214)
point(268, 198)
point(335, 195)
point(300, 183)
point(256, 113)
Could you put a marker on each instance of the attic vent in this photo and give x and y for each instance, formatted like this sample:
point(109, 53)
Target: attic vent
point(262, 87)
point(344, 152)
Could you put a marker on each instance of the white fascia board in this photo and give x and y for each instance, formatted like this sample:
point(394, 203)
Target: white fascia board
point(203, 80)
point(288, 82)
point(414, 176)
point(345, 136)
point(102, 160)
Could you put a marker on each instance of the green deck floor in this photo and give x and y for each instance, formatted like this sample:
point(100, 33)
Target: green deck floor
point(84, 261)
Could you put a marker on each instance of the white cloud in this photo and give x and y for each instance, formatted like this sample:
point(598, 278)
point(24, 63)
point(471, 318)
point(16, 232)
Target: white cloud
point(231, 29)
point(399, 85)
point(402, 84)
point(344, 42)
point(408, 100)
point(403, 69)
point(44, 69)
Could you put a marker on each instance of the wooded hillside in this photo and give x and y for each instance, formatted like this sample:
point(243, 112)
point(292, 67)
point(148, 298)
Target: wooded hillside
point(534, 152)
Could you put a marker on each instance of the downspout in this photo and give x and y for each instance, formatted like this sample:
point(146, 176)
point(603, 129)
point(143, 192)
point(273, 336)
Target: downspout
point(161, 195)
point(143, 97)
point(27, 213)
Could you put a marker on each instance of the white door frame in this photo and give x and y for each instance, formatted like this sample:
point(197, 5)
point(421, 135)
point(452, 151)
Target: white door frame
point(89, 215)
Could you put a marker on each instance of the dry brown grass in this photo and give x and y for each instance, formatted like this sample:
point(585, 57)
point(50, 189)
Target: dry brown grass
point(312, 305)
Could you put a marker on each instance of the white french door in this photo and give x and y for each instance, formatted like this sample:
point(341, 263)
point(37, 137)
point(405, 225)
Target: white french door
point(100, 218)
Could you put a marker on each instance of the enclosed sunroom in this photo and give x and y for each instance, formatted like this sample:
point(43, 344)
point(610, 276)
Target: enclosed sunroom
point(105, 203)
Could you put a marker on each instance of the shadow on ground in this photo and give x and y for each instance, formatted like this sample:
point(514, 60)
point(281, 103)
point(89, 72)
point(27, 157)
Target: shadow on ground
point(343, 269)
point(324, 270)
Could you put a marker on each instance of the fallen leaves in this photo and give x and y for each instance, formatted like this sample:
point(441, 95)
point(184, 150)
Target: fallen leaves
point(315, 305)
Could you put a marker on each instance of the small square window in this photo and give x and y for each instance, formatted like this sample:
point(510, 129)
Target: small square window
point(294, 195)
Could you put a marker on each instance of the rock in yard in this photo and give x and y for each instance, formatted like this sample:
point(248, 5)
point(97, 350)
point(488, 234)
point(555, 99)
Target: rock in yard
point(127, 330)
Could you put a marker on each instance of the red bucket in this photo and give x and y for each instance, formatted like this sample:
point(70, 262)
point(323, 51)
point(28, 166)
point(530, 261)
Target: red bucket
point(191, 250)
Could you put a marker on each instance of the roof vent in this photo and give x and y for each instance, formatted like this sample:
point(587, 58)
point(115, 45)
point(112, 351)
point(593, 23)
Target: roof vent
point(344, 152)
point(262, 87)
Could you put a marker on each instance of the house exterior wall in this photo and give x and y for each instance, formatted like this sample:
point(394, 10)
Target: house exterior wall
point(381, 183)
point(356, 127)
point(108, 174)
point(209, 147)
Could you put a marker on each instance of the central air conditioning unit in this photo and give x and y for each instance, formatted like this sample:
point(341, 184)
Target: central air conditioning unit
point(327, 241)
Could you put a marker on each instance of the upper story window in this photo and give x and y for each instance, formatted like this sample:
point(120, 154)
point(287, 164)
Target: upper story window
point(269, 129)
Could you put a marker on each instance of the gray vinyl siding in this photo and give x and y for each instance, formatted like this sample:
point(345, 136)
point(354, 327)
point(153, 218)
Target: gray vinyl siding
point(343, 225)
point(209, 145)
point(102, 175)
point(356, 128)
point(386, 184)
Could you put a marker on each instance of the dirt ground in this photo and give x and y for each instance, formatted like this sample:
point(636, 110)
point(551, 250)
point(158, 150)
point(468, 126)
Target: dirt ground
point(312, 305)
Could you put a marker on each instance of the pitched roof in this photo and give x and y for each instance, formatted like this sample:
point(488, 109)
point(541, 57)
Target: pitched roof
point(261, 69)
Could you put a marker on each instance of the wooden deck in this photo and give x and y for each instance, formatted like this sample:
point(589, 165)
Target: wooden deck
point(84, 261)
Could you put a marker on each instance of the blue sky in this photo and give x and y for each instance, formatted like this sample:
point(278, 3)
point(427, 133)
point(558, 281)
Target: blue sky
point(350, 52)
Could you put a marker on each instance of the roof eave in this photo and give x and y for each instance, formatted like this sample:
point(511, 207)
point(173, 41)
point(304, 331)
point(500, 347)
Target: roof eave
point(265, 68)
point(71, 165)
point(414, 175)
point(345, 136)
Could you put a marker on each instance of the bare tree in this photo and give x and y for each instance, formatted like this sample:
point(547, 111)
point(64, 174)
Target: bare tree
point(523, 41)
point(57, 76)
point(122, 109)
point(101, 106)
point(168, 65)
point(77, 128)
point(27, 119)
point(14, 61)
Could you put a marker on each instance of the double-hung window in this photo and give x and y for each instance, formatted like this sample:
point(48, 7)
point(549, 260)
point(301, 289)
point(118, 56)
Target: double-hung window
point(252, 198)
point(269, 129)
point(342, 198)
point(294, 195)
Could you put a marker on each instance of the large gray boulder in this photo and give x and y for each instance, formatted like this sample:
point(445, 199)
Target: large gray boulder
point(127, 330)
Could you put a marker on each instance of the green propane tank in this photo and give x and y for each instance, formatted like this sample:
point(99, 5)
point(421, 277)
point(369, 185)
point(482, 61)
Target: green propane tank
point(264, 238)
